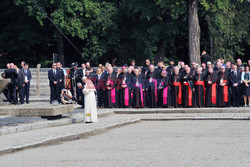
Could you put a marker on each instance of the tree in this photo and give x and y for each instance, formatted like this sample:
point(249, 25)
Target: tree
point(193, 32)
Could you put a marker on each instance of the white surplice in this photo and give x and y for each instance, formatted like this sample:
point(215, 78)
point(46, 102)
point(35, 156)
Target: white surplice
point(90, 109)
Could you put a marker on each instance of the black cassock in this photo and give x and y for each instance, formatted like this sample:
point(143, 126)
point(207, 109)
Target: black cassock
point(151, 85)
point(199, 86)
point(223, 91)
point(176, 92)
point(211, 90)
point(124, 93)
point(235, 78)
point(110, 96)
point(187, 90)
point(164, 92)
point(139, 99)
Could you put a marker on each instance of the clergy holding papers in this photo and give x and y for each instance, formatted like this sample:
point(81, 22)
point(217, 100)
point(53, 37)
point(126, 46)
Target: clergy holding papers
point(90, 109)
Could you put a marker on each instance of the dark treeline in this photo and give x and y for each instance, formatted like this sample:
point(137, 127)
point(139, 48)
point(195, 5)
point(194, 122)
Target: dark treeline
point(123, 29)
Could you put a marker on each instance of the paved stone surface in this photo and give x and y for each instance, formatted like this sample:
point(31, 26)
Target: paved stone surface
point(195, 116)
point(14, 121)
point(167, 143)
point(42, 135)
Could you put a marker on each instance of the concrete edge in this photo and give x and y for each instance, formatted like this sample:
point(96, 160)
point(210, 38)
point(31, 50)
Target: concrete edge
point(68, 137)
point(183, 110)
point(194, 118)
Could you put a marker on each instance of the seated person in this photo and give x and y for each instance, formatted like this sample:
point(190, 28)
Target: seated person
point(66, 97)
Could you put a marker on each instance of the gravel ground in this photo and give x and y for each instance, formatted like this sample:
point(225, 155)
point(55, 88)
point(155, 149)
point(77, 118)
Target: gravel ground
point(159, 143)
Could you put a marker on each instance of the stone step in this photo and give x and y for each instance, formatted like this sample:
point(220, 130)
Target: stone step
point(39, 99)
point(42, 85)
point(41, 90)
point(40, 77)
point(46, 94)
point(40, 81)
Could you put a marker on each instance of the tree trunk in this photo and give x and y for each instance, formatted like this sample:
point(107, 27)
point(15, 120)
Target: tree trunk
point(161, 50)
point(193, 32)
point(60, 50)
point(211, 41)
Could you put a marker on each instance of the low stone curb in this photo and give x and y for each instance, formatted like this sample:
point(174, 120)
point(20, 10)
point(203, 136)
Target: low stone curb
point(77, 118)
point(68, 137)
point(181, 110)
point(193, 118)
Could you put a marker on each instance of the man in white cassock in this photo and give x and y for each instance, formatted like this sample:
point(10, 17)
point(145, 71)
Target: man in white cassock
point(90, 109)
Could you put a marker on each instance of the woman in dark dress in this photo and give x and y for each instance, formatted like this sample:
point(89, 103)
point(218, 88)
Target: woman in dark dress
point(245, 78)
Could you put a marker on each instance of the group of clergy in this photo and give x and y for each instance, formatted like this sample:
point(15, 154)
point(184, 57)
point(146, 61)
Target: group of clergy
point(175, 86)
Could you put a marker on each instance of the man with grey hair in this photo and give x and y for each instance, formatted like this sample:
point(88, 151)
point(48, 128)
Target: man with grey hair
point(176, 88)
point(151, 87)
point(187, 88)
point(110, 82)
point(199, 88)
point(223, 92)
point(211, 93)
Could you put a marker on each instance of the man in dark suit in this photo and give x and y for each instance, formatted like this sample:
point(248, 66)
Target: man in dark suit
point(205, 57)
point(61, 81)
point(54, 78)
point(170, 68)
point(80, 74)
point(12, 74)
point(235, 78)
point(27, 79)
point(5, 91)
point(20, 84)
point(146, 67)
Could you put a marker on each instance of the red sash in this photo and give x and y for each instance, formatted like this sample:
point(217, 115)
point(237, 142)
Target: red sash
point(179, 98)
point(201, 83)
point(225, 91)
point(190, 93)
point(112, 91)
point(165, 96)
point(214, 93)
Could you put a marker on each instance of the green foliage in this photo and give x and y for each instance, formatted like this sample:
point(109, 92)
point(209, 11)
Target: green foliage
point(228, 25)
point(123, 29)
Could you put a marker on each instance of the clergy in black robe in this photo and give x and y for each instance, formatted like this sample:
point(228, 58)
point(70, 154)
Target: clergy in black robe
point(199, 86)
point(99, 88)
point(211, 88)
point(235, 79)
point(145, 69)
point(170, 69)
point(176, 91)
point(223, 92)
point(193, 69)
point(164, 93)
point(138, 82)
point(204, 69)
point(151, 86)
point(124, 88)
point(187, 88)
point(110, 82)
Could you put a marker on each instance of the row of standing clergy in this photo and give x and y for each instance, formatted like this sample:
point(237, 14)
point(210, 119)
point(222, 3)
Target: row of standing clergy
point(157, 88)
